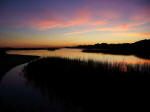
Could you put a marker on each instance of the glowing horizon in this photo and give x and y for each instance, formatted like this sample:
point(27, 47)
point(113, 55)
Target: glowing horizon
point(55, 23)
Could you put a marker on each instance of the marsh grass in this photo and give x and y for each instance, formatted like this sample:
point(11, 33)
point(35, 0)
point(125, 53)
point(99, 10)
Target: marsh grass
point(71, 66)
point(86, 84)
point(60, 73)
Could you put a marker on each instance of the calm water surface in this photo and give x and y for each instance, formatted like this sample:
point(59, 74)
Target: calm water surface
point(78, 54)
point(17, 92)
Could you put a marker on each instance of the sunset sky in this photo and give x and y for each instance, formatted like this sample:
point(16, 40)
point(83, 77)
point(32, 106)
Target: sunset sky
point(55, 23)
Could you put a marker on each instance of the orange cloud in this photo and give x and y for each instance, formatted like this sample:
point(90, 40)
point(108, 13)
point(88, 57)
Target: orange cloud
point(145, 34)
point(129, 34)
point(129, 25)
point(79, 32)
point(112, 29)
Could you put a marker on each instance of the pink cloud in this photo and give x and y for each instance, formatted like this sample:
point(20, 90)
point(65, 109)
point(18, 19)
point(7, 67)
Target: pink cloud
point(130, 25)
point(87, 17)
point(83, 18)
point(97, 23)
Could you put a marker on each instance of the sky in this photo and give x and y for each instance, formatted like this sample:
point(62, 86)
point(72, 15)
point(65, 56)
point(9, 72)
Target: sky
point(58, 23)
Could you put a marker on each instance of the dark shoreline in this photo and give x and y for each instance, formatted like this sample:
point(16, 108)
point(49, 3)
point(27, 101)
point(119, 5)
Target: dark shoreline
point(143, 55)
point(139, 48)
point(9, 61)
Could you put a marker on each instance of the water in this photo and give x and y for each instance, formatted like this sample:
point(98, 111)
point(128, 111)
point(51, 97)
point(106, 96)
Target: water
point(15, 90)
point(20, 92)
point(78, 54)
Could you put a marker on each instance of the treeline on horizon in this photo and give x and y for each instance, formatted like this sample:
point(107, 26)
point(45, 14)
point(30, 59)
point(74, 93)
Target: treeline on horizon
point(142, 44)
point(139, 48)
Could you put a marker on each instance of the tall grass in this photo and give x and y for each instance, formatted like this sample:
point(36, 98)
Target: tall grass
point(66, 65)
point(84, 84)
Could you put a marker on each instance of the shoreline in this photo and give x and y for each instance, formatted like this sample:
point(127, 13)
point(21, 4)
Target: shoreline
point(141, 54)
point(9, 61)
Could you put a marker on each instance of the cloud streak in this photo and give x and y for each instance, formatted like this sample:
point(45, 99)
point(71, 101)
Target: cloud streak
point(82, 18)
point(109, 29)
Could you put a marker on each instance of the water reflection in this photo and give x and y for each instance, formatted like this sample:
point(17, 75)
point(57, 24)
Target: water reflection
point(30, 93)
point(62, 95)
point(23, 94)
point(78, 54)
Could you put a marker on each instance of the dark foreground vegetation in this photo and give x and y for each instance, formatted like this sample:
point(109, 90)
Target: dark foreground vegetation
point(139, 48)
point(53, 49)
point(88, 85)
point(76, 67)
point(8, 61)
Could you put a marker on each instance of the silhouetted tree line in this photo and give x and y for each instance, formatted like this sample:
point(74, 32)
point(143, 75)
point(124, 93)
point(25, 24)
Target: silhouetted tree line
point(139, 48)
point(143, 44)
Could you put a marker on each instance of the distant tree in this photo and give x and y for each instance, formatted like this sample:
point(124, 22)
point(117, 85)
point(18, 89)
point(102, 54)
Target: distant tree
point(104, 44)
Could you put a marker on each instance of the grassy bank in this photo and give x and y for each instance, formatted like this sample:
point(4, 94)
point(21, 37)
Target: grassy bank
point(86, 84)
point(79, 68)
